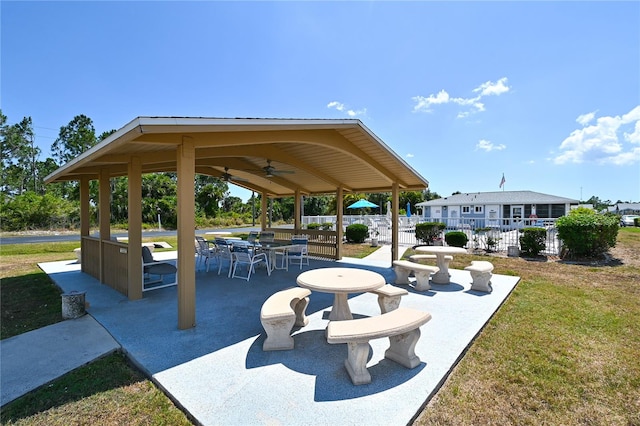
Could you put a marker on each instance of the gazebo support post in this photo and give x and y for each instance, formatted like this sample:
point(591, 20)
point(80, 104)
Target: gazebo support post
point(395, 199)
point(186, 171)
point(104, 211)
point(297, 211)
point(339, 231)
point(134, 249)
point(263, 210)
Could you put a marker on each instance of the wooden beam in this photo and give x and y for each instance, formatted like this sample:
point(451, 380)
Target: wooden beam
point(339, 231)
point(104, 211)
point(186, 235)
point(134, 249)
point(395, 199)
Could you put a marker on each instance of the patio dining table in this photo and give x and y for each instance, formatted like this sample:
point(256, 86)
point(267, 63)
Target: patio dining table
point(442, 262)
point(272, 249)
point(340, 282)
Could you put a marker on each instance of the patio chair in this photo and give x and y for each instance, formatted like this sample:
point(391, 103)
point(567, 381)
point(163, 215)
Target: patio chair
point(300, 252)
point(204, 251)
point(267, 237)
point(223, 253)
point(253, 237)
point(250, 258)
point(150, 267)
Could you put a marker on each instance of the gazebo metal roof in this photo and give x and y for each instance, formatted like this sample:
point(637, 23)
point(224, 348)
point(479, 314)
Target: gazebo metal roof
point(323, 154)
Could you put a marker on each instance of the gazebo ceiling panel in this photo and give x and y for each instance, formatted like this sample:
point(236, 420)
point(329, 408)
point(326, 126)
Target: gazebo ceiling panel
point(321, 154)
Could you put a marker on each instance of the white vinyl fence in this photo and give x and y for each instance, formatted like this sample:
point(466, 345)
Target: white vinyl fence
point(503, 233)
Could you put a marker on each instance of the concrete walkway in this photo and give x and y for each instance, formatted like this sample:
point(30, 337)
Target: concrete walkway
point(33, 359)
point(218, 372)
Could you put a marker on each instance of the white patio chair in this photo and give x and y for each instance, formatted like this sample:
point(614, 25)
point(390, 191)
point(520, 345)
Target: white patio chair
point(150, 267)
point(244, 256)
point(299, 253)
point(223, 253)
point(204, 251)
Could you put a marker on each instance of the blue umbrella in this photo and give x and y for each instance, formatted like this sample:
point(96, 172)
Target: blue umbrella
point(362, 203)
point(408, 209)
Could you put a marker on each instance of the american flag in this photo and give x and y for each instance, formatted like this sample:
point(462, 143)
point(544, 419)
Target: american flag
point(502, 181)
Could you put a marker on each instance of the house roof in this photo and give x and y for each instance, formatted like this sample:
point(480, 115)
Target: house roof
point(498, 197)
point(321, 155)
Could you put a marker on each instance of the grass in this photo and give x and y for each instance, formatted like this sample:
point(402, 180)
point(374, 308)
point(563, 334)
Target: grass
point(108, 392)
point(563, 349)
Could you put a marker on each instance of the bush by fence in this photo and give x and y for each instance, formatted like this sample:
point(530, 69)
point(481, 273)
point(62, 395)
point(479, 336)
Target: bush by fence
point(456, 238)
point(356, 233)
point(533, 241)
point(427, 232)
point(585, 233)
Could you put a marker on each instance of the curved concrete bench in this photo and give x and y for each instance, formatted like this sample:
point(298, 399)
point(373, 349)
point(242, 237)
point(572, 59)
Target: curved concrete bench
point(389, 297)
point(401, 326)
point(422, 272)
point(418, 257)
point(280, 313)
point(481, 275)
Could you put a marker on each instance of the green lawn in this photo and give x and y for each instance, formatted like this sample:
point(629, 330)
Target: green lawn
point(563, 349)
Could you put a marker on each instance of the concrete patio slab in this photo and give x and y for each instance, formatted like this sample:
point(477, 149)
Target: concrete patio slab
point(218, 372)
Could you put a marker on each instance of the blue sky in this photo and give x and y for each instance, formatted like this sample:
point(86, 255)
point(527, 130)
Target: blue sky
point(547, 93)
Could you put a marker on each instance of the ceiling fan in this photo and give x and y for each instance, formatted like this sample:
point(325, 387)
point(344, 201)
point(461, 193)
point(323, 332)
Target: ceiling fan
point(226, 176)
point(271, 171)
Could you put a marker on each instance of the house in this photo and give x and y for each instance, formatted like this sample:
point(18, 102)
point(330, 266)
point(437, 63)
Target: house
point(625, 208)
point(500, 209)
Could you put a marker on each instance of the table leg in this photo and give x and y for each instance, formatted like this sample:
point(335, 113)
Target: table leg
point(340, 310)
point(442, 276)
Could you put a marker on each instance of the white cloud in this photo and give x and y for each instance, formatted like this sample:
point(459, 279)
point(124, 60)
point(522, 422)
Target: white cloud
point(490, 88)
point(425, 104)
point(585, 119)
point(604, 141)
point(337, 105)
point(410, 155)
point(488, 146)
point(342, 108)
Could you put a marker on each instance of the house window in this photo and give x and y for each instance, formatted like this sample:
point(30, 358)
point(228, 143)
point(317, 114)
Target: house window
point(478, 209)
point(466, 209)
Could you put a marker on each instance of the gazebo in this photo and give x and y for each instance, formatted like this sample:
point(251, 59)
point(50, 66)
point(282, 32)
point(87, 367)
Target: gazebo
point(274, 157)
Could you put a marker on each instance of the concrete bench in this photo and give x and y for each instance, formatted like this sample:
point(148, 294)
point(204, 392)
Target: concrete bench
point(389, 297)
point(481, 275)
point(418, 257)
point(401, 326)
point(422, 272)
point(280, 313)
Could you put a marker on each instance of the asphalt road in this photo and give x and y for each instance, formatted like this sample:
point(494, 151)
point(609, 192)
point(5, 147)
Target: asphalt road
point(51, 238)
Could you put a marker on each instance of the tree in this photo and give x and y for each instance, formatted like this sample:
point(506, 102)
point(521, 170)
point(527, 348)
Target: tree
point(210, 192)
point(411, 197)
point(74, 139)
point(19, 157)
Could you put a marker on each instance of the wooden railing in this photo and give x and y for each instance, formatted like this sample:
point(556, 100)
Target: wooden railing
point(321, 243)
point(90, 253)
point(115, 266)
point(114, 262)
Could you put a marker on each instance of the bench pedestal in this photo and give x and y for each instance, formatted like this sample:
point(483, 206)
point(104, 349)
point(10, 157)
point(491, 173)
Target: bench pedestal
point(481, 272)
point(280, 313)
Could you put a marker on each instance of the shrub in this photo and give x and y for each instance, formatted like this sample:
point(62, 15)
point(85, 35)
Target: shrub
point(456, 238)
point(533, 241)
point(427, 232)
point(326, 226)
point(313, 225)
point(356, 233)
point(586, 233)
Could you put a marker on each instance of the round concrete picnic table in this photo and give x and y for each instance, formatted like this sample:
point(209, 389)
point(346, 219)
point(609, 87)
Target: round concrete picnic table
point(442, 262)
point(340, 282)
